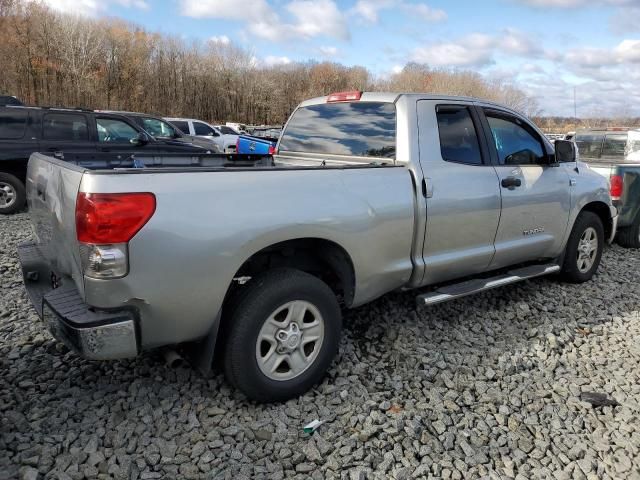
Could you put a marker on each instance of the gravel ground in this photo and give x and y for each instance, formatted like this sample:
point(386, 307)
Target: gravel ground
point(490, 386)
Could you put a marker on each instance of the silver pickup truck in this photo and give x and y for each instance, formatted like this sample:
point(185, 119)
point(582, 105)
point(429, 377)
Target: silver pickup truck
point(368, 193)
point(614, 153)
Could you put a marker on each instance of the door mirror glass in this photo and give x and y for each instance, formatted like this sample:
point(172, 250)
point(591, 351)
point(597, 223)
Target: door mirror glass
point(565, 151)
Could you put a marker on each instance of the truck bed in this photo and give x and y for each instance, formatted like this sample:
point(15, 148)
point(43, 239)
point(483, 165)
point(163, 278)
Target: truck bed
point(113, 161)
point(212, 214)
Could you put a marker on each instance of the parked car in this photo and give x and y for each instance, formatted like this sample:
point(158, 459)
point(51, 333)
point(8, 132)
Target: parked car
point(369, 193)
point(224, 141)
point(241, 128)
point(8, 100)
point(615, 154)
point(258, 146)
point(227, 130)
point(164, 130)
point(65, 134)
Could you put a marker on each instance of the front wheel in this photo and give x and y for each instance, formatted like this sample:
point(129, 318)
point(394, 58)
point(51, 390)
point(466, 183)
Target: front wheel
point(584, 248)
point(282, 335)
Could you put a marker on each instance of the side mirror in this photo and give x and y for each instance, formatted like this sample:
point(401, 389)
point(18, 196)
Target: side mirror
point(140, 139)
point(565, 151)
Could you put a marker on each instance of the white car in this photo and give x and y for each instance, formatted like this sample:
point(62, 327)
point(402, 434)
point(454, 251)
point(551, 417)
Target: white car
point(190, 126)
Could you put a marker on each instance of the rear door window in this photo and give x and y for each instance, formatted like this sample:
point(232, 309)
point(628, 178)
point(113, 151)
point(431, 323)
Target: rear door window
point(182, 126)
point(65, 126)
point(13, 123)
point(589, 144)
point(361, 129)
point(615, 145)
point(204, 130)
point(458, 137)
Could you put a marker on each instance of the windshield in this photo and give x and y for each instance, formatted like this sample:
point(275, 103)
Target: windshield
point(159, 128)
point(363, 129)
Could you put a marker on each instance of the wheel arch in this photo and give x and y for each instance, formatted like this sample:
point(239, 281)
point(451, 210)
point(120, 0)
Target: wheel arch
point(320, 257)
point(603, 211)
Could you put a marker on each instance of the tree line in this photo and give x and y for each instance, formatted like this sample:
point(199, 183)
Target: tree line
point(55, 59)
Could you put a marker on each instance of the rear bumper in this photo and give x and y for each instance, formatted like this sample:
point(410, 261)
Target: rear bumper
point(94, 334)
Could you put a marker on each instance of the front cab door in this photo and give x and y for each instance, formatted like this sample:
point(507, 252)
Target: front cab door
point(535, 191)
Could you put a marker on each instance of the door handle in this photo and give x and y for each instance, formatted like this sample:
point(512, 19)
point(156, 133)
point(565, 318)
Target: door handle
point(427, 188)
point(511, 182)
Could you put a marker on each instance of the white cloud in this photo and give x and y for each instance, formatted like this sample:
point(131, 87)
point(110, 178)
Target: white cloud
point(368, 10)
point(626, 52)
point(229, 9)
point(576, 3)
point(92, 8)
point(477, 49)
point(305, 19)
point(220, 40)
point(271, 61)
point(424, 11)
point(625, 20)
point(328, 51)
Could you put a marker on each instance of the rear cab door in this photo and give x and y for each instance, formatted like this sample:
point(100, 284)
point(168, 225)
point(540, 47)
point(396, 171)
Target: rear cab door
point(461, 189)
point(67, 135)
point(535, 191)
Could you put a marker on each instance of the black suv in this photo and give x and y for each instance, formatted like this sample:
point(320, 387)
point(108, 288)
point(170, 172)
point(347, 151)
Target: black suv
point(69, 134)
point(9, 100)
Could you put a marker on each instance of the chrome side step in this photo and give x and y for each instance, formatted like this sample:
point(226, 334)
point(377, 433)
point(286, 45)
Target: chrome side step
point(469, 287)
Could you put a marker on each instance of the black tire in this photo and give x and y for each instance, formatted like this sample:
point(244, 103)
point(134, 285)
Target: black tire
point(263, 296)
point(629, 237)
point(570, 268)
point(14, 187)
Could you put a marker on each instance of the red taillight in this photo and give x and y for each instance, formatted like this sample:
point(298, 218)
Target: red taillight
point(272, 150)
point(238, 145)
point(105, 218)
point(616, 186)
point(344, 96)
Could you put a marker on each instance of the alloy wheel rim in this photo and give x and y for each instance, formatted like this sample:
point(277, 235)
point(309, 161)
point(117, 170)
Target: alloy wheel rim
point(290, 340)
point(587, 250)
point(8, 195)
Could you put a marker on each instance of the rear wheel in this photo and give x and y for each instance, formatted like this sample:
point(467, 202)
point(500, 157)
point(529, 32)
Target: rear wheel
point(282, 335)
point(12, 194)
point(629, 237)
point(584, 248)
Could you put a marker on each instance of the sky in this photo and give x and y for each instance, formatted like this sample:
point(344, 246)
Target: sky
point(548, 48)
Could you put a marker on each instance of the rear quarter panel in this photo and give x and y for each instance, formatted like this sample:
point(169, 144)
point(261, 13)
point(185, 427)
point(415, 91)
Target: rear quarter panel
point(207, 224)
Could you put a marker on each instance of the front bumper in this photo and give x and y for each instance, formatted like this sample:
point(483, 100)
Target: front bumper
point(94, 334)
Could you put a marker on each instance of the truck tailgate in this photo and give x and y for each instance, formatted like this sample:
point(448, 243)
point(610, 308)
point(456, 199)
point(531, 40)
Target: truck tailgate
point(52, 187)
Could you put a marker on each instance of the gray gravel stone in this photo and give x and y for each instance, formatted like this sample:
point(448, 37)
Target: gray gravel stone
point(490, 386)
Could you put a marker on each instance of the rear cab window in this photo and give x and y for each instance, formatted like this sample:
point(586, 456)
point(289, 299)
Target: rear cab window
point(589, 144)
point(615, 145)
point(13, 123)
point(357, 129)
